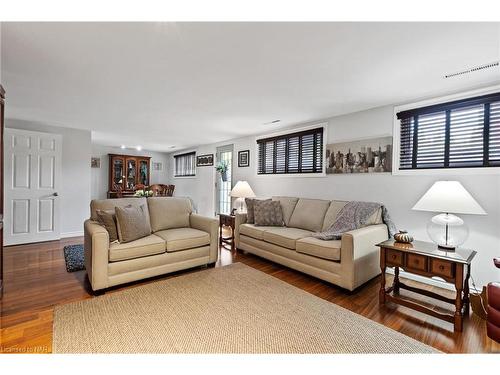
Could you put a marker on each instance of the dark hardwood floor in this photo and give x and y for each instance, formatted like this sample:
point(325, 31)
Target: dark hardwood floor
point(36, 280)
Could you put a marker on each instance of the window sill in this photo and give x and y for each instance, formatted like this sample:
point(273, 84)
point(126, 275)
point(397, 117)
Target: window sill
point(292, 175)
point(447, 171)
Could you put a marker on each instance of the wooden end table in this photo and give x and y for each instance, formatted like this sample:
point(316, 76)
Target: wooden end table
point(228, 221)
point(426, 259)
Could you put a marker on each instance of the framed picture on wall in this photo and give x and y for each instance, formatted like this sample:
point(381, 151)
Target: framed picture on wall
point(157, 166)
point(205, 160)
point(244, 158)
point(373, 155)
point(95, 162)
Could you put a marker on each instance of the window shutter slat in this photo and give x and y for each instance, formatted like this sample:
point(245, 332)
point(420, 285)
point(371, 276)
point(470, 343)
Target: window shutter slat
point(466, 134)
point(494, 139)
point(431, 133)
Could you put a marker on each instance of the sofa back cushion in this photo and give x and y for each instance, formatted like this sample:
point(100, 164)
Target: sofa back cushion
point(309, 214)
point(337, 206)
point(375, 218)
point(110, 204)
point(169, 212)
point(287, 206)
point(332, 213)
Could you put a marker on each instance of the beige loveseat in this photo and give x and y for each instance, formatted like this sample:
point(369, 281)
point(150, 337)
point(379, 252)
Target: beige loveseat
point(348, 262)
point(180, 240)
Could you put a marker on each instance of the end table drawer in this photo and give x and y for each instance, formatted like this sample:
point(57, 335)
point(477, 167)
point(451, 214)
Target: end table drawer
point(442, 268)
point(393, 257)
point(416, 262)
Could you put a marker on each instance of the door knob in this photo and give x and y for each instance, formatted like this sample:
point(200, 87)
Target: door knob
point(55, 194)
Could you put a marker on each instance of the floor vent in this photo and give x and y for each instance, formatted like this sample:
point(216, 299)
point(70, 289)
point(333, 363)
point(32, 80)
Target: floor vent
point(474, 69)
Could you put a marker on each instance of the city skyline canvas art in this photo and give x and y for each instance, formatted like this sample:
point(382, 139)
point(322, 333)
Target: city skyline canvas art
point(372, 155)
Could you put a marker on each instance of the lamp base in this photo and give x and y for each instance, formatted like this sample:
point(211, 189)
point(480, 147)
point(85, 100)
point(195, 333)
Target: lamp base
point(447, 231)
point(447, 248)
point(241, 206)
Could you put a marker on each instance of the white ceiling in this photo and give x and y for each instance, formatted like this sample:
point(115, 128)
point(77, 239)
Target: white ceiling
point(182, 84)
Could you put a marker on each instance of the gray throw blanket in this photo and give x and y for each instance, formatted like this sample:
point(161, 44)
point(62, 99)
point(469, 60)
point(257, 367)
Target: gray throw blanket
point(354, 215)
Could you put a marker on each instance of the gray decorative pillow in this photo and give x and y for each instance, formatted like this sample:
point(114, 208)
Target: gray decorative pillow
point(133, 223)
point(250, 208)
point(268, 213)
point(107, 219)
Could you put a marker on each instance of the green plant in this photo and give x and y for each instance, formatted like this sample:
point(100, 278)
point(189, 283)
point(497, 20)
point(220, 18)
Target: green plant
point(221, 167)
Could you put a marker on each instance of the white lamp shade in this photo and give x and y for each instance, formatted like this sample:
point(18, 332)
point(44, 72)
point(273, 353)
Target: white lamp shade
point(242, 190)
point(449, 197)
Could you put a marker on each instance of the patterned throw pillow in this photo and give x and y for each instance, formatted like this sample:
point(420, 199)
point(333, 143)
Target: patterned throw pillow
point(268, 213)
point(250, 208)
point(107, 219)
point(133, 223)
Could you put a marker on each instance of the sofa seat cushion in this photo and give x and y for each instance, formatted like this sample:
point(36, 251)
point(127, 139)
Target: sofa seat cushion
point(183, 238)
point(322, 249)
point(285, 237)
point(149, 245)
point(251, 230)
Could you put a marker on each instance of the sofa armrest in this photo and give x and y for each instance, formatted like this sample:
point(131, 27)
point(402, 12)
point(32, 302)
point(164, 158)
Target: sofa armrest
point(211, 226)
point(239, 219)
point(96, 250)
point(360, 255)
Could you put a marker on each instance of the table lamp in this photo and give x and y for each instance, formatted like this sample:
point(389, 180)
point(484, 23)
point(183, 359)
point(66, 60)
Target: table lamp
point(448, 197)
point(241, 191)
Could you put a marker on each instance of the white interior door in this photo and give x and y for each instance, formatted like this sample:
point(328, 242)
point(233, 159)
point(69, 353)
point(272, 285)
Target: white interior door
point(32, 175)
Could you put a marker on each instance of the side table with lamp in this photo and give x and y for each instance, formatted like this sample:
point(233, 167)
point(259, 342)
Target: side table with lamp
point(443, 259)
point(240, 191)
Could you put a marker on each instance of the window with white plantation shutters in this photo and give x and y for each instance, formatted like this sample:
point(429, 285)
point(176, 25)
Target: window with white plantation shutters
point(459, 134)
point(185, 164)
point(300, 152)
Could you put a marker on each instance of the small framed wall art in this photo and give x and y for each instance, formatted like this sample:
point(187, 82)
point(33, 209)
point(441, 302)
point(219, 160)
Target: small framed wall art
point(157, 166)
point(205, 160)
point(95, 162)
point(244, 158)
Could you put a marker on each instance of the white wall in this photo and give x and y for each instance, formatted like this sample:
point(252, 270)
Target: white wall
point(398, 193)
point(100, 176)
point(75, 189)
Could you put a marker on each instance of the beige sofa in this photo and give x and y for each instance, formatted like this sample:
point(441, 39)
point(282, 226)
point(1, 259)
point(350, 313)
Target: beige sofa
point(348, 262)
point(181, 239)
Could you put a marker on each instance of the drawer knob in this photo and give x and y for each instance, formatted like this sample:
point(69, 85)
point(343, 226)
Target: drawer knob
point(393, 256)
point(441, 267)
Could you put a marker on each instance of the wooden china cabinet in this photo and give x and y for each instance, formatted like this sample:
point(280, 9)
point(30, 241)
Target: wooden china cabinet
point(127, 171)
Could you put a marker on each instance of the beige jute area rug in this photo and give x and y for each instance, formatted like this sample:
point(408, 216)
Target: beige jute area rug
point(232, 309)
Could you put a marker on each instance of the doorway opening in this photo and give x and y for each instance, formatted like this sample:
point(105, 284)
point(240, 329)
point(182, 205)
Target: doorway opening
point(223, 188)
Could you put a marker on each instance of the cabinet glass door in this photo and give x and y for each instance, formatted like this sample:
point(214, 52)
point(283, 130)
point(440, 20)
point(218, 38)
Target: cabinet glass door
point(131, 174)
point(144, 172)
point(118, 174)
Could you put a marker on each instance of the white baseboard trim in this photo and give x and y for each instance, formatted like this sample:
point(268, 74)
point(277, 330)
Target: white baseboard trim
point(427, 280)
point(72, 234)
